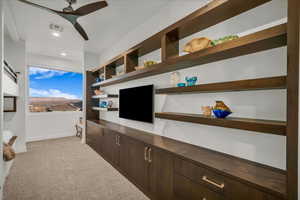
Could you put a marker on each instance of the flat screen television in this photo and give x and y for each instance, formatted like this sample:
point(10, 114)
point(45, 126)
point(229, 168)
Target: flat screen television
point(137, 103)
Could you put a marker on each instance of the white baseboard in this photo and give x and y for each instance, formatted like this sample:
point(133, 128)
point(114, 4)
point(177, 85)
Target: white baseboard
point(50, 136)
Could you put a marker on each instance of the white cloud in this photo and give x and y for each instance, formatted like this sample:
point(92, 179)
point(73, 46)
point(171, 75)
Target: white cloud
point(45, 73)
point(50, 93)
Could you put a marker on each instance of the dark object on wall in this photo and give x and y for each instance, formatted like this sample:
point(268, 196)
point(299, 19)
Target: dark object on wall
point(72, 15)
point(8, 152)
point(137, 103)
point(10, 72)
point(10, 104)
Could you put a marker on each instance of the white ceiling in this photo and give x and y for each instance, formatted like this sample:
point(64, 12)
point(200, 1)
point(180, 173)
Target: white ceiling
point(104, 27)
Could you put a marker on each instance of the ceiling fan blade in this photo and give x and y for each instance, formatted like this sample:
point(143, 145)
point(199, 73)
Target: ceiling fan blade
point(81, 31)
point(41, 7)
point(87, 9)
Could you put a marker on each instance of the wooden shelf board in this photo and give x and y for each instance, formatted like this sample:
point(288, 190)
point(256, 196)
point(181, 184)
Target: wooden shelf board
point(105, 109)
point(257, 125)
point(104, 96)
point(263, 40)
point(209, 15)
point(241, 85)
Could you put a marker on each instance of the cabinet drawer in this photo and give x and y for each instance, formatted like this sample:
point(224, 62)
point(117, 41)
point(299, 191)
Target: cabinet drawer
point(226, 187)
point(185, 188)
point(201, 175)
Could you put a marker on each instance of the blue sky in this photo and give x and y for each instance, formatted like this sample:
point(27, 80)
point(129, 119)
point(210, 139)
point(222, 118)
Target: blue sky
point(55, 83)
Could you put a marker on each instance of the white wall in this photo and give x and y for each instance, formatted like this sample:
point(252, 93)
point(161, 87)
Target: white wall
point(42, 126)
point(16, 122)
point(263, 148)
point(54, 63)
point(1, 96)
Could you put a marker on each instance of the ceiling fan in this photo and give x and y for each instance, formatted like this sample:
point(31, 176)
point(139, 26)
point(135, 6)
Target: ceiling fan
point(72, 15)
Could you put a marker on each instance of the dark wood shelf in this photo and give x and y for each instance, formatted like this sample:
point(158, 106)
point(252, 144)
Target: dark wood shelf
point(261, 176)
point(209, 15)
point(105, 109)
point(263, 40)
point(105, 96)
point(257, 125)
point(242, 85)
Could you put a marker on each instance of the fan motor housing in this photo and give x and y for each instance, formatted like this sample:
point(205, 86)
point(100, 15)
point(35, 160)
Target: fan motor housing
point(71, 1)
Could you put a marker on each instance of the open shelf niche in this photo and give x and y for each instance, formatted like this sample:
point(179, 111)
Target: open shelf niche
point(213, 13)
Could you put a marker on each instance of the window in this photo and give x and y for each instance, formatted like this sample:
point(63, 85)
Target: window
point(54, 90)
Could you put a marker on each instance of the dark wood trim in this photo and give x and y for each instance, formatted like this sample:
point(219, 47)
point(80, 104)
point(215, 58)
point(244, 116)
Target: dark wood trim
point(90, 102)
point(105, 109)
point(258, 125)
point(293, 97)
point(170, 45)
point(209, 15)
point(242, 85)
point(263, 40)
point(261, 177)
point(105, 96)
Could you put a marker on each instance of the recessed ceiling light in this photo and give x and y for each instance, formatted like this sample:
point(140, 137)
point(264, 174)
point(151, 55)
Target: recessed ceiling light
point(63, 54)
point(56, 34)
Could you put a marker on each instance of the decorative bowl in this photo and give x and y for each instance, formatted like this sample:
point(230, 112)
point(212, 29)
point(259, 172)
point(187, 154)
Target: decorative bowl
point(221, 113)
point(181, 85)
point(191, 81)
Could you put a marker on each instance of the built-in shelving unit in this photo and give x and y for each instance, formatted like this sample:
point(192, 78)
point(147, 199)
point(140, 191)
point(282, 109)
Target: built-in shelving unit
point(258, 125)
point(105, 96)
point(217, 11)
point(263, 40)
point(105, 109)
point(242, 85)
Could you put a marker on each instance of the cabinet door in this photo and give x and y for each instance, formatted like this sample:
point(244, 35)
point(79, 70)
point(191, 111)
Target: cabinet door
point(123, 152)
point(109, 145)
point(160, 174)
point(137, 167)
point(94, 137)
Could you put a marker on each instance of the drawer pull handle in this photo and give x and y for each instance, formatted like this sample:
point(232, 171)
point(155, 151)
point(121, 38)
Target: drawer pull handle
point(145, 153)
point(221, 186)
point(149, 155)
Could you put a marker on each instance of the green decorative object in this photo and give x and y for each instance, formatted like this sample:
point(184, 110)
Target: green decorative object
point(224, 39)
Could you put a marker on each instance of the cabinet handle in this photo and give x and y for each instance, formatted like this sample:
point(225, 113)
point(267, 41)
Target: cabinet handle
point(145, 153)
point(116, 140)
point(149, 155)
point(221, 186)
point(119, 140)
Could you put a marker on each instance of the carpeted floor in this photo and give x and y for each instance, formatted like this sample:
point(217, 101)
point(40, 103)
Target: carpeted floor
point(64, 169)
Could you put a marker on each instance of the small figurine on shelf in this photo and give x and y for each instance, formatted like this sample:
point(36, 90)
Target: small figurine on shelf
point(191, 81)
point(98, 92)
point(206, 110)
point(220, 110)
point(224, 39)
point(175, 78)
point(149, 63)
point(103, 104)
point(181, 85)
point(197, 44)
point(110, 104)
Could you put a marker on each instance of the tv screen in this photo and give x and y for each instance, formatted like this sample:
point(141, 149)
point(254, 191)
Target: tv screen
point(137, 103)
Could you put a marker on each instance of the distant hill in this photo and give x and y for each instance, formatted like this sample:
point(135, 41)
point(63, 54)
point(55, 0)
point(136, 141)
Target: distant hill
point(49, 104)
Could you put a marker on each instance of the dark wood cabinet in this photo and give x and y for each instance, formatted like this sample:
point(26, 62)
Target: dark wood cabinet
point(165, 175)
point(138, 165)
point(95, 137)
point(160, 173)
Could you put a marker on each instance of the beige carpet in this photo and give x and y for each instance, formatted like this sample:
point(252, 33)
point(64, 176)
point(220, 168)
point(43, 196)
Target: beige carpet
point(64, 169)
